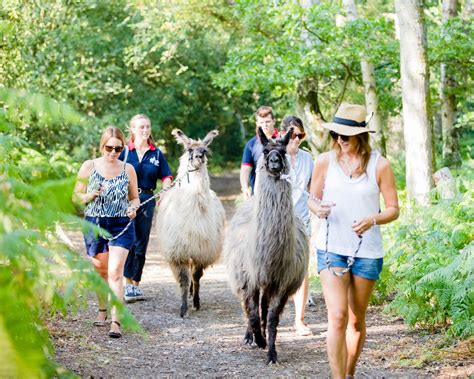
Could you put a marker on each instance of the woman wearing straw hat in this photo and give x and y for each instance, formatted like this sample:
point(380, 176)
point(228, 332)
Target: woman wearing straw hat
point(345, 190)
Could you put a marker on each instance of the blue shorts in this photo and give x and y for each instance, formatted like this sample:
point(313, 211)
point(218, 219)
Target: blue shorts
point(367, 268)
point(96, 244)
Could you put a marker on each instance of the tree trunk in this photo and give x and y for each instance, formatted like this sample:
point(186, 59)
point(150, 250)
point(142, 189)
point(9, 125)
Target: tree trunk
point(307, 103)
point(307, 107)
point(451, 155)
point(468, 10)
point(368, 78)
point(414, 78)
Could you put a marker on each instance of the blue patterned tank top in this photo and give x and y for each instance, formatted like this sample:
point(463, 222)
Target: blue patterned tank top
point(113, 200)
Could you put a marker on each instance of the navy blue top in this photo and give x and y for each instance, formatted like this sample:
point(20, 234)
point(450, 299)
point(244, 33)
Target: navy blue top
point(152, 167)
point(252, 151)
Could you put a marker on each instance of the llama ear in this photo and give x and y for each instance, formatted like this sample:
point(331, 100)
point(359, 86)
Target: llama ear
point(181, 137)
point(287, 136)
point(261, 135)
point(209, 137)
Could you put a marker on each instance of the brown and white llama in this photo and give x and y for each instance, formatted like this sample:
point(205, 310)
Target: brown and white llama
point(190, 219)
point(266, 247)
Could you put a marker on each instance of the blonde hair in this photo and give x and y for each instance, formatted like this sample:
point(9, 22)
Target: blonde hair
point(137, 117)
point(111, 132)
point(363, 149)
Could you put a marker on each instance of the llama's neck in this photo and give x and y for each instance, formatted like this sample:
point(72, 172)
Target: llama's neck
point(274, 209)
point(191, 178)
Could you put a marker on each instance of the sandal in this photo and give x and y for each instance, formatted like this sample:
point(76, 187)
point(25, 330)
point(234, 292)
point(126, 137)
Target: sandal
point(101, 323)
point(303, 330)
point(113, 334)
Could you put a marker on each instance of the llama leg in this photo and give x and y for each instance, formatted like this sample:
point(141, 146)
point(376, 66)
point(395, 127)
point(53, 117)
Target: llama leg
point(254, 318)
point(250, 305)
point(181, 273)
point(273, 320)
point(264, 313)
point(248, 337)
point(191, 289)
point(197, 274)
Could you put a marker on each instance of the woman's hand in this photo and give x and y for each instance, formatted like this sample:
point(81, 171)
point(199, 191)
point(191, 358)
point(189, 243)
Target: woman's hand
point(361, 226)
point(132, 212)
point(324, 209)
point(92, 195)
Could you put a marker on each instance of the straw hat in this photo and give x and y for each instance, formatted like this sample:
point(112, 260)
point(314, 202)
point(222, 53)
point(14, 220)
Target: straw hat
point(350, 120)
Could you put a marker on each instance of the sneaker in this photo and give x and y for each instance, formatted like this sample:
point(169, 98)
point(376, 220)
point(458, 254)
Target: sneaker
point(139, 293)
point(130, 294)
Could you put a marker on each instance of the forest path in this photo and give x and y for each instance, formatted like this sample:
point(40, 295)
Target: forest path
point(209, 342)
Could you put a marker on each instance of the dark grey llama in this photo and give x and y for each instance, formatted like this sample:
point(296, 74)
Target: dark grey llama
point(266, 248)
point(190, 219)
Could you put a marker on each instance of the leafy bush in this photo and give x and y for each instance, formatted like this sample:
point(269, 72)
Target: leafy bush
point(430, 262)
point(39, 275)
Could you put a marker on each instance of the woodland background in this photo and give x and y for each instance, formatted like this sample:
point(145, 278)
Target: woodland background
point(70, 68)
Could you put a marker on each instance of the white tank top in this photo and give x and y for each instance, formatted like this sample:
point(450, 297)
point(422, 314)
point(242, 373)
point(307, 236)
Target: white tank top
point(355, 199)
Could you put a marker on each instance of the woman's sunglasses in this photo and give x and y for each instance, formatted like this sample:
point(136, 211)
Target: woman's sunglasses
point(335, 136)
point(117, 149)
point(299, 135)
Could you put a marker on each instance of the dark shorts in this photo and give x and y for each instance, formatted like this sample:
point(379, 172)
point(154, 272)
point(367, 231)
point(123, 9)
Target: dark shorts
point(96, 244)
point(366, 268)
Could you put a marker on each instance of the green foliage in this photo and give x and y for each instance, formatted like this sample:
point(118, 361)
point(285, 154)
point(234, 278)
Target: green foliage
point(283, 44)
point(429, 266)
point(111, 61)
point(39, 274)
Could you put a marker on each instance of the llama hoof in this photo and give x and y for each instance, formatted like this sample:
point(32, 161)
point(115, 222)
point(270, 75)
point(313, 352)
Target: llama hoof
point(261, 342)
point(248, 339)
point(183, 311)
point(196, 304)
point(272, 358)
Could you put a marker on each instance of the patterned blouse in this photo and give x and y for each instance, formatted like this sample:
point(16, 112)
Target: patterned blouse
point(113, 200)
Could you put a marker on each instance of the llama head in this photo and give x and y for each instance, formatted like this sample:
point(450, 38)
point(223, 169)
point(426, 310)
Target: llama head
point(197, 150)
point(274, 152)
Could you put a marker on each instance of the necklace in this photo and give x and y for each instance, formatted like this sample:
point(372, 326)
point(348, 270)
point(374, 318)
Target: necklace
point(350, 168)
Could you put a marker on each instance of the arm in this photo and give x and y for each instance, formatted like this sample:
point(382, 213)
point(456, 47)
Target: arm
point(318, 178)
point(80, 195)
point(386, 182)
point(167, 182)
point(132, 192)
point(246, 169)
point(164, 171)
point(244, 180)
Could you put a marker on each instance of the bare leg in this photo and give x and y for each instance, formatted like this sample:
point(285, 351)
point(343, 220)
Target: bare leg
point(101, 262)
point(335, 291)
point(359, 294)
point(117, 257)
point(300, 298)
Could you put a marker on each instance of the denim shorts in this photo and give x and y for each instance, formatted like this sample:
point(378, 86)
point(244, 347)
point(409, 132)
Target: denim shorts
point(367, 268)
point(96, 244)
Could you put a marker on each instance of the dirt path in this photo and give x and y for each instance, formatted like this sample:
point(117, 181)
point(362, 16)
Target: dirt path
point(209, 342)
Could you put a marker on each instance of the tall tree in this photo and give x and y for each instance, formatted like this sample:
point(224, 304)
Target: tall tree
point(451, 153)
point(415, 98)
point(370, 87)
point(307, 91)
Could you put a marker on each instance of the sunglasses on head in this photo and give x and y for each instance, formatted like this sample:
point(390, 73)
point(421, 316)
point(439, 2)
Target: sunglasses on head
point(335, 136)
point(117, 149)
